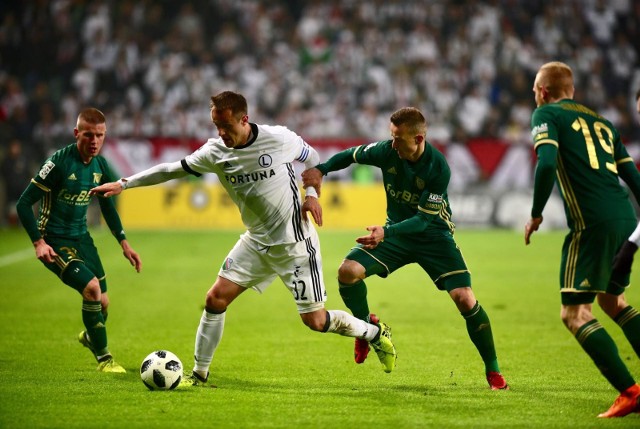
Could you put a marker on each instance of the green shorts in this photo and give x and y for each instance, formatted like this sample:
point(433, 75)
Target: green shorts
point(77, 261)
point(587, 258)
point(439, 256)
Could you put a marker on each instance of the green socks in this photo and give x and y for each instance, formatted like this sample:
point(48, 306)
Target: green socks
point(629, 320)
point(603, 351)
point(94, 322)
point(355, 298)
point(479, 329)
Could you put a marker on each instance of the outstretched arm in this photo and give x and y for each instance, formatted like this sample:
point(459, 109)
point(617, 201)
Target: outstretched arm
point(151, 176)
point(312, 176)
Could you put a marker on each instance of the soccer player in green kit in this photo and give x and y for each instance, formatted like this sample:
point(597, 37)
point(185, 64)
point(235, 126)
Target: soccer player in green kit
point(60, 236)
point(418, 229)
point(584, 153)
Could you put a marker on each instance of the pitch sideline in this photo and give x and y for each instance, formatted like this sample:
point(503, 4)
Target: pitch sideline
point(15, 257)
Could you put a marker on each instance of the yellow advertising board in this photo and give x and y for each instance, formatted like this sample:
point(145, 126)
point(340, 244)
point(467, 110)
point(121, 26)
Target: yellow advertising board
point(197, 205)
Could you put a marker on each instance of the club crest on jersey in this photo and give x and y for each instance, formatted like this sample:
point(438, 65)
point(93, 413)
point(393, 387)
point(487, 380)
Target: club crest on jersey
point(46, 169)
point(227, 264)
point(97, 177)
point(265, 161)
point(420, 183)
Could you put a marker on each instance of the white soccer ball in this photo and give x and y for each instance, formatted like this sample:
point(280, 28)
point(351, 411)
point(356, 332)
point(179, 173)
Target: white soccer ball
point(161, 370)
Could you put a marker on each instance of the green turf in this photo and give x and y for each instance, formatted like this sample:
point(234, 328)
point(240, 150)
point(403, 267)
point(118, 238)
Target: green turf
point(271, 371)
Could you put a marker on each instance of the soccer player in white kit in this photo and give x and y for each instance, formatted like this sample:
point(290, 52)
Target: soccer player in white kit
point(255, 165)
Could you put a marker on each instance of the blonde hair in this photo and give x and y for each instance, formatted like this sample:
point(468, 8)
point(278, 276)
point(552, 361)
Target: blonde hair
point(557, 78)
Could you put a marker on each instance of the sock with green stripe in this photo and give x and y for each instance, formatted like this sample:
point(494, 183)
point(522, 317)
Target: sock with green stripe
point(629, 320)
point(479, 329)
point(601, 348)
point(94, 322)
point(354, 297)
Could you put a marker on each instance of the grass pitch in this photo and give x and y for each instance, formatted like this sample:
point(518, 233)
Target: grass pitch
point(272, 372)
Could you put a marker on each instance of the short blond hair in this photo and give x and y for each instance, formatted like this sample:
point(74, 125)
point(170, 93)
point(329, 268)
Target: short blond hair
point(557, 78)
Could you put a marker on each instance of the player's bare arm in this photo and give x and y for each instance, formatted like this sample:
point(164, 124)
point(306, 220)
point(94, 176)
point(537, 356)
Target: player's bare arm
point(107, 189)
point(312, 205)
point(372, 240)
point(312, 177)
point(531, 227)
point(131, 255)
point(44, 252)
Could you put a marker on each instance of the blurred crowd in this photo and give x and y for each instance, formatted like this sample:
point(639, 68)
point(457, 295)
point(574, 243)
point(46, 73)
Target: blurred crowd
point(324, 68)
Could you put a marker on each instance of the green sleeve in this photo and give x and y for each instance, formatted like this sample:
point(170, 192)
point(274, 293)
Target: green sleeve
point(110, 214)
point(338, 161)
point(544, 177)
point(29, 197)
point(414, 225)
point(629, 173)
point(431, 202)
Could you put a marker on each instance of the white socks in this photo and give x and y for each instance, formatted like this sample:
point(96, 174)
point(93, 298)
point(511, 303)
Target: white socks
point(343, 323)
point(207, 340)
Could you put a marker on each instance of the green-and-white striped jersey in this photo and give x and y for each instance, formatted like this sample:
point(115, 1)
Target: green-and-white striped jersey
point(589, 150)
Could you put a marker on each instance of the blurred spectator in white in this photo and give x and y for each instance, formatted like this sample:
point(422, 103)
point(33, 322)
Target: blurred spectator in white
point(602, 21)
point(547, 32)
point(13, 97)
point(473, 111)
point(48, 134)
point(622, 57)
point(189, 24)
point(97, 21)
point(16, 173)
point(85, 81)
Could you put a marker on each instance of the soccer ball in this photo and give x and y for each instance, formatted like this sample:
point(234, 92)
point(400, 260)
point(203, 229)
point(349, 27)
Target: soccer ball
point(161, 370)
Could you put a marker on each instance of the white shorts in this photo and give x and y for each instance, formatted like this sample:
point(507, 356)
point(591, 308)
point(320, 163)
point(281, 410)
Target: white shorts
point(299, 266)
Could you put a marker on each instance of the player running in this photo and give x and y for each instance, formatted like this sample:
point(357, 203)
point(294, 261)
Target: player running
point(418, 230)
point(255, 166)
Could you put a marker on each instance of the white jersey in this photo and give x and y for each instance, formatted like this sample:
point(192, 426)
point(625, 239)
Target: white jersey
point(260, 178)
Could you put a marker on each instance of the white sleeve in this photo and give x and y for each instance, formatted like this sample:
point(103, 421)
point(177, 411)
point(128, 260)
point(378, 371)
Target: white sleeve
point(312, 159)
point(635, 236)
point(157, 174)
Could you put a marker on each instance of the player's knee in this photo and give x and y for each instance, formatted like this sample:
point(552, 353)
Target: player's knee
point(215, 301)
point(350, 272)
point(92, 292)
point(316, 320)
point(463, 298)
